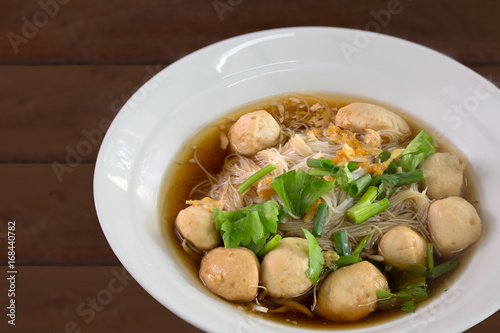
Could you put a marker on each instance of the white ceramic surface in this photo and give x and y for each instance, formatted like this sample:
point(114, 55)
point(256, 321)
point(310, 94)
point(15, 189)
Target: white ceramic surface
point(181, 99)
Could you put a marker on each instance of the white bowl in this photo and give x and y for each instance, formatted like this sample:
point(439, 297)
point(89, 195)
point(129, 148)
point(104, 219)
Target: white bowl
point(152, 126)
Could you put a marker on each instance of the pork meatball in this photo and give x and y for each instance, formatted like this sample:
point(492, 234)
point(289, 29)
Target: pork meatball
point(283, 270)
point(231, 273)
point(253, 132)
point(443, 175)
point(454, 225)
point(402, 246)
point(358, 117)
point(350, 293)
point(196, 225)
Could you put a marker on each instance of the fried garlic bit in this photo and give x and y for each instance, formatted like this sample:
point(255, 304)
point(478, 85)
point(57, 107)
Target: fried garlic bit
point(264, 189)
point(206, 203)
point(330, 258)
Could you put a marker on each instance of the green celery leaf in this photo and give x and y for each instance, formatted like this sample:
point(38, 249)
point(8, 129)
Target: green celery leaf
point(421, 147)
point(316, 259)
point(387, 188)
point(250, 226)
point(417, 291)
point(384, 294)
point(298, 190)
point(408, 306)
point(344, 178)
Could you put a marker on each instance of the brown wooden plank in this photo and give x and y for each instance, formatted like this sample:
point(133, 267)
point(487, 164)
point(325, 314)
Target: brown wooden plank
point(56, 222)
point(58, 299)
point(46, 111)
point(158, 31)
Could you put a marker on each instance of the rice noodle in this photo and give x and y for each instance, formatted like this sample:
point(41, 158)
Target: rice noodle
point(299, 140)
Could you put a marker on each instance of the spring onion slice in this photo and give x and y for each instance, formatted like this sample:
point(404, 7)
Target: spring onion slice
point(255, 177)
point(442, 268)
point(399, 179)
point(321, 163)
point(384, 156)
point(352, 165)
point(319, 222)
point(365, 208)
point(347, 260)
point(361, 246)
point(269, 245)
point(341, 240)
point(321, 172)
point(359, 185)
point(430, 256)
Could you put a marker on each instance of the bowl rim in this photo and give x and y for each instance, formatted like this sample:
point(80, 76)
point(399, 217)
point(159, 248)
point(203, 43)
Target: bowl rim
point(220, 62)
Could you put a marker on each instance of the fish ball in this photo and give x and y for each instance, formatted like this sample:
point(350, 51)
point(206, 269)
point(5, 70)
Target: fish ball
point(454, 225)
point(253, 132)
point(350, 293)
point(196, 225)
point(402, 246)
point(232, 273)
point(283, 270)
point(358, 117)
point(443, 175)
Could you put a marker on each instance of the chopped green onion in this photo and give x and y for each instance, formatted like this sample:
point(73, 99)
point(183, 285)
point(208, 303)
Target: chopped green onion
point(269, 245)
point(321, 163)
point(417, 269)
point(341, 240)
point(255, 177)
point(359, 185)
point(430, 256)
point(399, 179)
point(368, 197)
point(365, 208)
point(361, 246)
point(321, 172)
point(363, 213)
point(392, 168)
point(320, 220)
point(442, 268)
point(384, 156)
point(348, 260)
point(352, 165)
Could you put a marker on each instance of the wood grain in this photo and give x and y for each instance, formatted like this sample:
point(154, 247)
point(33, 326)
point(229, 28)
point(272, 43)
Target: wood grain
point(49, 112)
point(76, 299)
point(59, 113)
point(158, 31)
point(56, 222)
point(101, 299)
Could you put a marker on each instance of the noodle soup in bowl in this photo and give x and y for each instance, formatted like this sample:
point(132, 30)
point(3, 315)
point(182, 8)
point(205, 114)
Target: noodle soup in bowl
point(135, 171)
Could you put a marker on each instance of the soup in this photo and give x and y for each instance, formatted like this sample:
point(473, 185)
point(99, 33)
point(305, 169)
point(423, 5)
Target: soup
point(362, 219)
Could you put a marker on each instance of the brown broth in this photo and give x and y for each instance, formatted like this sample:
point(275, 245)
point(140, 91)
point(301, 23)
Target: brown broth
point(184, 175)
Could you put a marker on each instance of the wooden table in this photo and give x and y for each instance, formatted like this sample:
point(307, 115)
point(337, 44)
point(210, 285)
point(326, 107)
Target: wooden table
point(66, 68)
